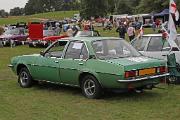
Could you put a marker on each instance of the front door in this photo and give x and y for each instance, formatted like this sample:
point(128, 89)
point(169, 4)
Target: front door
point(47, 66)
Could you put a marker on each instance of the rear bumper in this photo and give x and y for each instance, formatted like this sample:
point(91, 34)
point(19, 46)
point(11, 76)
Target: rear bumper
point(144, 78)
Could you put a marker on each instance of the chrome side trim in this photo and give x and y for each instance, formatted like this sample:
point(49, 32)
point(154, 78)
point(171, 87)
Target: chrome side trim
point(144, 78)
point(10, 65)
point(57, 83)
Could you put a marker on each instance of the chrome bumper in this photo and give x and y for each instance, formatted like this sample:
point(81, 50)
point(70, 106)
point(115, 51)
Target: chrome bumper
point(144, 78)
point(10, 66)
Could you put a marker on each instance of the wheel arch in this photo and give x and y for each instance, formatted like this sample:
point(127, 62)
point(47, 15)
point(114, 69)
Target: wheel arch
point(19, 66)
point(85, 73)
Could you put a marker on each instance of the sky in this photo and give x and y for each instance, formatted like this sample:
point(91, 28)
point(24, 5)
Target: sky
point(9, 4)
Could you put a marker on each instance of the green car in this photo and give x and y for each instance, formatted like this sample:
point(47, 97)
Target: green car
point(91, 63)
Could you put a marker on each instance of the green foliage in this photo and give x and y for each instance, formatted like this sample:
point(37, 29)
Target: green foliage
point(16, 11)
point(93, 8)
point(41, 6)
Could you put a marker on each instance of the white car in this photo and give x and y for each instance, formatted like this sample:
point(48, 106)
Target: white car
point(153, 45)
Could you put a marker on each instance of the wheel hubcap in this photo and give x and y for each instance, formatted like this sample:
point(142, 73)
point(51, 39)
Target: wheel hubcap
point(23, 78)
point(89, 87)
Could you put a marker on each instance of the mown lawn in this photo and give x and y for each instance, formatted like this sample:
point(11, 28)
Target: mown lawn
point(54, 102)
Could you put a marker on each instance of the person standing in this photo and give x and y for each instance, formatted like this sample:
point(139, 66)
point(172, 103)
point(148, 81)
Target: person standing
point(131, 32)
point(121, 30)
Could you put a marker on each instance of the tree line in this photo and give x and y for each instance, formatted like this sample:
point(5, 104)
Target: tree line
point(90, 8)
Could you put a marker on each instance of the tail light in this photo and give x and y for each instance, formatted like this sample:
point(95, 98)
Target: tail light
point(132, 73)
point(162, 69)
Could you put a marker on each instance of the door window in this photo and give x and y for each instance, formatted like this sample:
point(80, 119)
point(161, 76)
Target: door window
point(76, 50)
point(56, 50)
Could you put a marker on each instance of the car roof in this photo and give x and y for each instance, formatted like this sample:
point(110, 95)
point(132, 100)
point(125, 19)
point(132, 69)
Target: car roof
point(91, 38)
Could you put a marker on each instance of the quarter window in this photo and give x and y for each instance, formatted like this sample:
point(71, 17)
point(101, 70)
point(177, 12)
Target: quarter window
point(140, 43)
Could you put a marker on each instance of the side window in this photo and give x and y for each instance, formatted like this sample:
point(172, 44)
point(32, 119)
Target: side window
point(56, 49)
point(155, 44)
point(84, 53)
point(74, 50)
point(140, 43)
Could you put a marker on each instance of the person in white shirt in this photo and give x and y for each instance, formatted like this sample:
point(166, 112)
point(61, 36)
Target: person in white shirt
point(131, 32)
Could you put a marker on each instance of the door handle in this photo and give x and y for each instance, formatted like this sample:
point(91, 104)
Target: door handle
point(56, 61)
point(80, 63)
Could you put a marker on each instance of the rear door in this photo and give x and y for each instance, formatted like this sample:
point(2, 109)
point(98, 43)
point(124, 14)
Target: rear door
point(74, 61)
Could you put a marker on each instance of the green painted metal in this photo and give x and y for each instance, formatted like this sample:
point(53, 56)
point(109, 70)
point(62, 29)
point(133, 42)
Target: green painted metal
point(68, 71)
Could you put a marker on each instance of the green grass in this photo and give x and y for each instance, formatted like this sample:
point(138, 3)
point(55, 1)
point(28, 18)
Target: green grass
point(54, 102)
point(36, 17)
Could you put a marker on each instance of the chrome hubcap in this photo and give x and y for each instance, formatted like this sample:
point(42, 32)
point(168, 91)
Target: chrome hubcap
point(23, 78)
point(89, 87)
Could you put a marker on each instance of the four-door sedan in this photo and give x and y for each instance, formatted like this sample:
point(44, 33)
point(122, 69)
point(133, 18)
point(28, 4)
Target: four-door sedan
point(91, 63)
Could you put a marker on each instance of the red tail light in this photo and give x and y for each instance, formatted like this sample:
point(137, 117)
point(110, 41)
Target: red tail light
point(132, 73)
point(163, 69)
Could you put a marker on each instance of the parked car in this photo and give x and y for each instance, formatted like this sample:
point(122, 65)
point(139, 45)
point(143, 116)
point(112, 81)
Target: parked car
point(91, 63)
point(153, 45)
point(17, 36)
point(41, 42)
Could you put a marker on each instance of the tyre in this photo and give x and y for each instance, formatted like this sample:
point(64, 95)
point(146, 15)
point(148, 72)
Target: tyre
point(91, 87)
point(24, 78)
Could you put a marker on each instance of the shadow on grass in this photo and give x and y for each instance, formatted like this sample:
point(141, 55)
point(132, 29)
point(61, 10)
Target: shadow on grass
point(108, 95)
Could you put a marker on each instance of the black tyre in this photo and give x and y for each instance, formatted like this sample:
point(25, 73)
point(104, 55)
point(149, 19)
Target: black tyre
point(91, 87)
point(24, 78)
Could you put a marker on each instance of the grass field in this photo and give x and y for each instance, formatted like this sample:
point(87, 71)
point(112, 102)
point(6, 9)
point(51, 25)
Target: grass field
point(54, 102)
point(50, 15)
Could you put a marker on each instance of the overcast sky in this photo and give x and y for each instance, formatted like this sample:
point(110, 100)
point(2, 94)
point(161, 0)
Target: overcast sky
point(9, 4)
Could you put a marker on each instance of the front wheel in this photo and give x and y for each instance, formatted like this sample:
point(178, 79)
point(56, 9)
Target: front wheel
point(91, 87)
point(24, 78)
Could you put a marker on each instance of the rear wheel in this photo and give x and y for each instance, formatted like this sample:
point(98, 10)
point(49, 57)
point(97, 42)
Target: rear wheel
point(91, 87)
point(25, 80)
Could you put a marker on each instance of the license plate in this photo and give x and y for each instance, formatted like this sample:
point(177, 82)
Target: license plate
point(147, 71)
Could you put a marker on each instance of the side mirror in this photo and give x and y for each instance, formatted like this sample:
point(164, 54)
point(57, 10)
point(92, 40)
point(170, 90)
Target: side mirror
point(42, 53)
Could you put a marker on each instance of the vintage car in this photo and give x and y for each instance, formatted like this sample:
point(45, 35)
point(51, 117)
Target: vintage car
point(16, 36)
point(91, 63)
point(154, 45)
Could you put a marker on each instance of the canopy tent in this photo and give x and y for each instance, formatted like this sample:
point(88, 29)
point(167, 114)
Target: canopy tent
point(163, 13)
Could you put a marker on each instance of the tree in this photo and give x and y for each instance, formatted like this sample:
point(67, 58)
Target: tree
point(16, 11)
point(93, 8)
point(148, 6)
point(3, 13)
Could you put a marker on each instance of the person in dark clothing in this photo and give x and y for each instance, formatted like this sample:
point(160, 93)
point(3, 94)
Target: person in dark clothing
point(122, 31)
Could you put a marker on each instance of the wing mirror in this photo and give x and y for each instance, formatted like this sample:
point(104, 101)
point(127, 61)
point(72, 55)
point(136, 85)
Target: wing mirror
point(42, 53)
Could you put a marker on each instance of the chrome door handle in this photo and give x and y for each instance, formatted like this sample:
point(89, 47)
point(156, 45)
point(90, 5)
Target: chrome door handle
point(56, 61)
point(80, 63)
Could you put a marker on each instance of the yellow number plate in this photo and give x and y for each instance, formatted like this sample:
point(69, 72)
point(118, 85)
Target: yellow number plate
point(147, 71)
